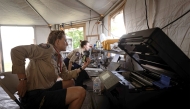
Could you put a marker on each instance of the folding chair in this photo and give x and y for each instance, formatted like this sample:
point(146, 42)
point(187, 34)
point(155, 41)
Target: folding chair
point(9, 82)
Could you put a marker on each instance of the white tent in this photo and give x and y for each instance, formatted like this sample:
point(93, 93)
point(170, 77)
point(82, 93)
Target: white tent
point(44, 12)
point(41, 13)
point(137, 16)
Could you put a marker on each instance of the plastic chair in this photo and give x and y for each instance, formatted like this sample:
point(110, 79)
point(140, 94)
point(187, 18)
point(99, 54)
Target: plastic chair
point(9, 82)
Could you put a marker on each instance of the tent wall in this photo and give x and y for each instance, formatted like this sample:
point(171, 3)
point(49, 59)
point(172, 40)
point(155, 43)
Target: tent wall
point(94, 28)
point(161, 13)
point(179, 32)
point(41, 34)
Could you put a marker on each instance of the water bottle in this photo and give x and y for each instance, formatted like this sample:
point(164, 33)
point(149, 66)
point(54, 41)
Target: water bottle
point(97, 86)
point(98, 44)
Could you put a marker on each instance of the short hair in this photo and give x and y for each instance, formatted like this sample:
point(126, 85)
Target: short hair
point(54, 35)
point(82, 43)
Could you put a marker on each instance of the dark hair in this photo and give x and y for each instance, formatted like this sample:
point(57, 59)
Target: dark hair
point(82, 43)
point(54, 35)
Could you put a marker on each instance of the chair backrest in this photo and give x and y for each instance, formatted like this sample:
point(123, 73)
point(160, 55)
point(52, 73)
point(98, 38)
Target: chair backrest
point(9, 83)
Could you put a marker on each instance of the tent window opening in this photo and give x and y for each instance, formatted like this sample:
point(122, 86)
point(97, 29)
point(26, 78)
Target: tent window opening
point(14, 36)
point(117, 25)
point(76, 34)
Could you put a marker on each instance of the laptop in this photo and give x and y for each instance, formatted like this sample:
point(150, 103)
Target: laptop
point(109, 79)
point(113, 66)
point(94, 72)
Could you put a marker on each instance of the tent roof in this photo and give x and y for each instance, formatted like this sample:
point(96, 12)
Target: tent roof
point(43, 12)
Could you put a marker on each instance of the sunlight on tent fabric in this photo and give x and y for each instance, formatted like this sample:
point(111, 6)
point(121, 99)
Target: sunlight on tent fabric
point(13, 36)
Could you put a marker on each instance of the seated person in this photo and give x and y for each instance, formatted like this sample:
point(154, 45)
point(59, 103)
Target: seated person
point(38, 87)
point(75, 59)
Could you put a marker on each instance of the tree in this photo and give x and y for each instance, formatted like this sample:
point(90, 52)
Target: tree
point(76, 35)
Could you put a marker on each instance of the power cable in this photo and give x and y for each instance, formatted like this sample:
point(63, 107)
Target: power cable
point(89, 23)
point(146, 14)
point(176, 19)
point(108, 31)
point(93, 27)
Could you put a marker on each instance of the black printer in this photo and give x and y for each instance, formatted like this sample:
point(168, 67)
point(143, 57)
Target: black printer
point(164, 81)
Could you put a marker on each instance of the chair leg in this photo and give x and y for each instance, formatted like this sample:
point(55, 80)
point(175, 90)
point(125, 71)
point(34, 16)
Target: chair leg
point(18, 102)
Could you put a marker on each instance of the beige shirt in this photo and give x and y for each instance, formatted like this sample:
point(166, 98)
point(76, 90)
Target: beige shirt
point(43, 70)
point(76, 56)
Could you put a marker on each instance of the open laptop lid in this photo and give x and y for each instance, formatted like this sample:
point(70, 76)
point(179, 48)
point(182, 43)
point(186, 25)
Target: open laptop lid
point(115, 58)
point(93, 72)
point(113, 66)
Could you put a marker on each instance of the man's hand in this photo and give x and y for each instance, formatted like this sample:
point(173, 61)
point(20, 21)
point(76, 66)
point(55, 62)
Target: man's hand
point(22, 88)
point(70, 65)
point(87, 62)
